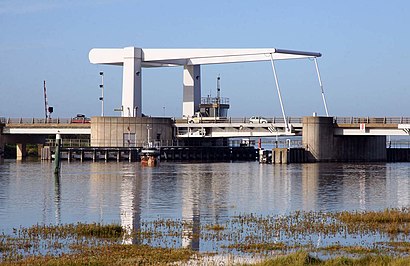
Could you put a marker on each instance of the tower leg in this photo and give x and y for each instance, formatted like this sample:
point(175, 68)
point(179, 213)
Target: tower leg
point(132, 86)
point(192, 90)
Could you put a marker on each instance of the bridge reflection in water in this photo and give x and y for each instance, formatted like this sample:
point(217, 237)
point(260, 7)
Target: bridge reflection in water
point(197, 194)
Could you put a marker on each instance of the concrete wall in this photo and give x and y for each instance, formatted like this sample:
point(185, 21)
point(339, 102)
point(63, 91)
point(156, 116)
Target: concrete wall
point(322, 146)
point(280, 156)
point(398, 155)
point(116, 131)
point(360, 148)
point(317, 138)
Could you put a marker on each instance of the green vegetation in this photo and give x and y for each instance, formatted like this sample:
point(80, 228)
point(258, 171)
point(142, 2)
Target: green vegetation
point(10, 151)
point(304, 259)
point(257, 247)
point(300, 238)
point(215, 227)
point(390, 221)
point(110, 255)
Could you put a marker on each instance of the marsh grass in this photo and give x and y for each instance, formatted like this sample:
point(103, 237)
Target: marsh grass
point(389, 221)
point(350, 249)
point(295, 259)
point(349, 234)
point(215, 227)
point(304, 259)
point(257, 247)
point(376, 217)
point(115, 254)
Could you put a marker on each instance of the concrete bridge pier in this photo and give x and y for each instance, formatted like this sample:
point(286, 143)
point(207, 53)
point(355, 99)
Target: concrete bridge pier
point(21, 151)
point(21, 142)
point(322, 145)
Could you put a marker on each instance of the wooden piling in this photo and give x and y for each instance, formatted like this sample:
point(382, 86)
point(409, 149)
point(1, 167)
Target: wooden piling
point(57, 155)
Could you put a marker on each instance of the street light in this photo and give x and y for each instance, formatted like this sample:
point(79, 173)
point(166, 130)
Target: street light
point(102, 93)
point(148, 135)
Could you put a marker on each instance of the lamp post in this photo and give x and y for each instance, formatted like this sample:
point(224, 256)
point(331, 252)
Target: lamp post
point(102, 93)
point(148, 135)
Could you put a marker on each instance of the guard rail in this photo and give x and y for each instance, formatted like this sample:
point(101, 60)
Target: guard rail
point(274, 120)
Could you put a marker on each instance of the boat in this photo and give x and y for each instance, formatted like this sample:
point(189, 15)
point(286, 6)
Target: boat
point(149, 156)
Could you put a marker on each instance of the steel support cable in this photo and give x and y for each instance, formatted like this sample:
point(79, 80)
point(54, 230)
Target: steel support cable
point(279, 94)
point(321, 86)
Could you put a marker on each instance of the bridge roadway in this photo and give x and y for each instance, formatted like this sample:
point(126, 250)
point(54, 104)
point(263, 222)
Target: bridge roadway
point(41, 126)
point(228, 128)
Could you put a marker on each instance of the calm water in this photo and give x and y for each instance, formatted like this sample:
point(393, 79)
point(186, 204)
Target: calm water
point(106, 192)
point(127, 193)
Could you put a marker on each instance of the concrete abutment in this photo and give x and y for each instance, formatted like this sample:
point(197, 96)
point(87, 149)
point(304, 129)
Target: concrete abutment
point(130, 131)
point(322, 145)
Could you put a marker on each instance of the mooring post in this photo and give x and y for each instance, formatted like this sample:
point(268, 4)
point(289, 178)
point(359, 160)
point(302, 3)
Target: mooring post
point(57, 157)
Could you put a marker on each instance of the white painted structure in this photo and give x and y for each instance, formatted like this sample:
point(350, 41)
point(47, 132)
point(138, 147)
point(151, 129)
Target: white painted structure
point(401, 130)
point(233, 129)
point(133, 59)
point(46, 131)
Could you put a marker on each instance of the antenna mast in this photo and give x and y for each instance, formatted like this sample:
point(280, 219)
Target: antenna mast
point(218, 87)
point(45, 100)
point(218, 94)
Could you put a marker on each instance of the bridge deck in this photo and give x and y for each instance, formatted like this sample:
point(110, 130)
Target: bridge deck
point(229, 127)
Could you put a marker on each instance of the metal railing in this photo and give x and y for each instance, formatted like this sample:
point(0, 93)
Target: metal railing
point(69, 142)
point(39, 121)
point(371, 120)
point(273, 120)
point(268, 144)
point(214, 100)
point(126, 143)
point(246, 120)
point(398, 144)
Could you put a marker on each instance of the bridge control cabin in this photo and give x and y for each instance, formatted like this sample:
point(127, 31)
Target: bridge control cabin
point(214, 106)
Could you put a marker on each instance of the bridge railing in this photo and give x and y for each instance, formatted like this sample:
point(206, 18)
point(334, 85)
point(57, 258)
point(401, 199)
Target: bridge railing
point(39, 121)
point(372, 120)
point(246, 120)
point(273, 120)
point(69, 142)
point(398, 144)
point(268, 144)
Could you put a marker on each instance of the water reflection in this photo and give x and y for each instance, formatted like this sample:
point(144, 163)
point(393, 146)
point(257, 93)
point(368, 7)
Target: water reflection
point(57, 198)
point(343, 186)
point(4, 187)
point(364, 186)
point(190, 209)
point(130, 212)
point(398, 184)
point(310, 186)
point(211, 193)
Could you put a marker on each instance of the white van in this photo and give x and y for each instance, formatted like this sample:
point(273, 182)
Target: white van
point(258, 119)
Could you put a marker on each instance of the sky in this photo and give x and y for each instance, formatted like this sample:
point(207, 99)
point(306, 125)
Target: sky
point(364, 66)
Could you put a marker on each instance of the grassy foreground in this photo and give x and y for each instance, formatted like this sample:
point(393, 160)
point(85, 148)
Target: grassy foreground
point(303, 258)
point(110, 255)
point(267, 240)
point(144, 255)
